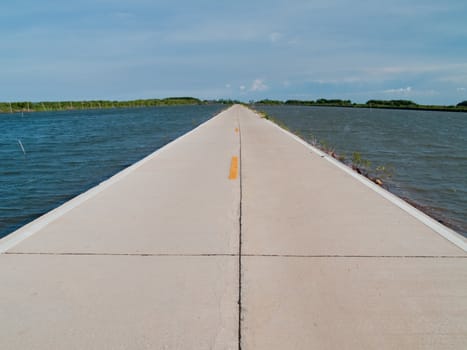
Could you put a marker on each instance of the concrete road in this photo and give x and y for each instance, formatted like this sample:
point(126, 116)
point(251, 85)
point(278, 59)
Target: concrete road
point(236, 235)
point(328, 263)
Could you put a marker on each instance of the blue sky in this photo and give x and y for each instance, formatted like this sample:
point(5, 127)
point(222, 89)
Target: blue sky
point(295, 49)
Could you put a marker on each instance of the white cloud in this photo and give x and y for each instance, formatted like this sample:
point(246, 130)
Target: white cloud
point(461, 89)
point(242, 87)
point(404, 91)
point(228, 86)
point(258, 85)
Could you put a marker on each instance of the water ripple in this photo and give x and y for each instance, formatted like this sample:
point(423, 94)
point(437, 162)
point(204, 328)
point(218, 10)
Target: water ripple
point(69, 152)
point(427, 150)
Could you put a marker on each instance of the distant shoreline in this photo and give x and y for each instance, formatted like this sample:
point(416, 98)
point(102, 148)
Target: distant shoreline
point(47, 106)
point(377, 104)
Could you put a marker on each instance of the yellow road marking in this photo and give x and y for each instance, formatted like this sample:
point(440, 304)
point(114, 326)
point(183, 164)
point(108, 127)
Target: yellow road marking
point(233, 168)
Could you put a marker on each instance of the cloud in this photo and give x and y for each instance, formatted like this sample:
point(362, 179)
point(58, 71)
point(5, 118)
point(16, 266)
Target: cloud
point(258, 85)
point(404, 91)
point(323, 48)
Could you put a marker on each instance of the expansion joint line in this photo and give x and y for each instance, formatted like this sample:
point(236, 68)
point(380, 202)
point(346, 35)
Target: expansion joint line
point(240, 238)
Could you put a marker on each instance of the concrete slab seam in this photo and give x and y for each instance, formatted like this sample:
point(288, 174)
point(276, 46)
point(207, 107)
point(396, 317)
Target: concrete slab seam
point(22, 233)
point(249, 255)
point(233, 255)
point(240, 238)
point(450, 235)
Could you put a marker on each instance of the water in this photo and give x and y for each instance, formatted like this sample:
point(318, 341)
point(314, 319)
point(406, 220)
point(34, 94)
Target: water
point(48, 158)
point(427, 151)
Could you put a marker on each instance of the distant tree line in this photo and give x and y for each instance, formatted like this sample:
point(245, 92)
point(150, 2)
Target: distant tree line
point(390, 104)
point(224, 101)
point(320, 102)
point(393, 103)
point(14, 107)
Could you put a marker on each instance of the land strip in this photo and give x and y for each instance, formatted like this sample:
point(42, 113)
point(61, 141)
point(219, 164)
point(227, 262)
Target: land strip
point(235, 236)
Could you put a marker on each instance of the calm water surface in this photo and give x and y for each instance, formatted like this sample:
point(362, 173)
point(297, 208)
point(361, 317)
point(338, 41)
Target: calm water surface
point(70, 152)
point(426, 150)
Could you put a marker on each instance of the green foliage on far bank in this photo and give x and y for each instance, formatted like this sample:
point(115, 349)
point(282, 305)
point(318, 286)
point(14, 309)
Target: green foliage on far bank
point(269, 102)
point(389, 104)
point(393, 103)
point(15, 107)
point(320, 102)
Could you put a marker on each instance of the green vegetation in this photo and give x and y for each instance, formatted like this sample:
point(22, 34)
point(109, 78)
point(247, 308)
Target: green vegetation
point(263, 115)
point(25, 106)
point(391, 103)
point(359, 162)
point(388, 104)
point(384, 171)
point(14, 107)
point(407, 104)
point(320, 102)
point(269, 102)
point(224, 102)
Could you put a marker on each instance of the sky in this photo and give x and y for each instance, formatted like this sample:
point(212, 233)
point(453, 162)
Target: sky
point(248, 50)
